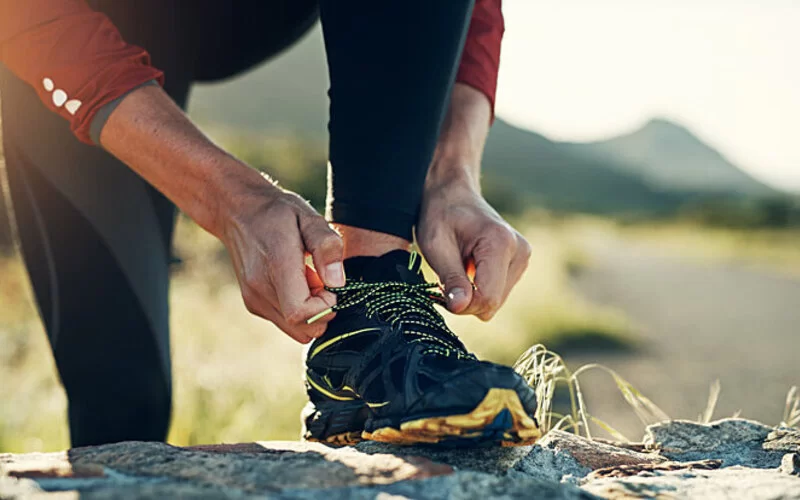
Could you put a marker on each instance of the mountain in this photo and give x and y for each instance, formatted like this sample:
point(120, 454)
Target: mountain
point(669, 156)
point(546, 173)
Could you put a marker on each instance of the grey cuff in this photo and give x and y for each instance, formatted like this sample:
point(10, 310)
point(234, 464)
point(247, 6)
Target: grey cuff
point(101, 117)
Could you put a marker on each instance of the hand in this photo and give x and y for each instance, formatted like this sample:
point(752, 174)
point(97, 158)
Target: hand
point(268, 232)
point(458, 226)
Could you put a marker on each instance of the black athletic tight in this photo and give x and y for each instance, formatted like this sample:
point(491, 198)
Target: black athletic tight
point(96, 238)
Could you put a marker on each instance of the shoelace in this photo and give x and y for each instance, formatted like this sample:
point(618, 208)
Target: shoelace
point(406, 303)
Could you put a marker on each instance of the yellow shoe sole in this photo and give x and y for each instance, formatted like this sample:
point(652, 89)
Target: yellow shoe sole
point(343, 439)
point(479, 425)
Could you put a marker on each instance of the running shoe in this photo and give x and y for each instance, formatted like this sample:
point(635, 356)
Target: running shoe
point(389, 369)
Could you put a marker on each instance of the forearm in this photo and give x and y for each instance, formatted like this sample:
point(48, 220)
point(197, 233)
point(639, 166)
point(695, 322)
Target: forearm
point(151, 135)
point(462, 138)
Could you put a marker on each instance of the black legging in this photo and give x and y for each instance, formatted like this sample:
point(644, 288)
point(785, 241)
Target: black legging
point(96, 238)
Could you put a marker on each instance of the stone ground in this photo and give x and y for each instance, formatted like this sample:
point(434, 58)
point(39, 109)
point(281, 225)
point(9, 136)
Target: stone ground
point(732, 458)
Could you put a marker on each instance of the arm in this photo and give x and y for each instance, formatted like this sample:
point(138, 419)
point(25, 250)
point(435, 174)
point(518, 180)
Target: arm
point(73, 57)
point(266, 229)
point(480, 60)
point(456, 224)
point(63, 45)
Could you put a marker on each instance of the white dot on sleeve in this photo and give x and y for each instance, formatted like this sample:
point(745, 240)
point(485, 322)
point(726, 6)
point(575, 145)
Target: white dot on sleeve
point(59, 98)
point(48, 84)
point(72, 106)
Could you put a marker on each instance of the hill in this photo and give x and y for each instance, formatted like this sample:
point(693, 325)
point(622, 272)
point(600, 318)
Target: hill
point(537, 170)
point(669, 156)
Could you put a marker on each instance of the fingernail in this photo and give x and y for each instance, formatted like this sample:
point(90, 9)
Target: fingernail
point(334, 273)
point(456, 294)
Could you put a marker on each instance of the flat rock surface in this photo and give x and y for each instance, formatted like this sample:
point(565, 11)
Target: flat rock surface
point(561, 466)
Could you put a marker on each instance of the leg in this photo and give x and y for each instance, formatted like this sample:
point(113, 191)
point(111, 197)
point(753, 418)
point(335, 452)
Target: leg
point(108, 353)
point(392, 65)
point(95, 238)
point(95, 242)
point(232, 37)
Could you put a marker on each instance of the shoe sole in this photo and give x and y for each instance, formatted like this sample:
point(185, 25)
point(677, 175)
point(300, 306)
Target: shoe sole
point(498, 419)
point(343, 439)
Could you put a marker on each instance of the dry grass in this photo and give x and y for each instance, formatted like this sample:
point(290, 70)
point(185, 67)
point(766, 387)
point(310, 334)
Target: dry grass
point(546, 372)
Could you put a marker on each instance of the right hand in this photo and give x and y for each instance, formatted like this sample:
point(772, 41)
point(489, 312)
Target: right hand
point(268, 232)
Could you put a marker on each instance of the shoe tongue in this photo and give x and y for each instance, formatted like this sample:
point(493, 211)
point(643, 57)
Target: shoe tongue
point(392, 266)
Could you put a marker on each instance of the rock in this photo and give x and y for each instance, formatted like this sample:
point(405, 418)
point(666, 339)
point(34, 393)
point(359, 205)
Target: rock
point(561, 466)
point(790, 464)
point(489, 460)
point(783, 439)
point(564, 456)
point(258, 467)
point(726, 483)
point(649, 469)
point(594, 455)
point(459, 486)
point(735, 441)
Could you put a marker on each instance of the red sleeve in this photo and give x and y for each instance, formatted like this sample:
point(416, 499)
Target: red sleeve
point(480, 61)
point(73, 56)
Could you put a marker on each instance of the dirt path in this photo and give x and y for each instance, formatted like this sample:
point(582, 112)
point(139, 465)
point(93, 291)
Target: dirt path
point(699, 322)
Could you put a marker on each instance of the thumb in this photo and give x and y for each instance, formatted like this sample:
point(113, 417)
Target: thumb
point(326, 249)
point(448, 264)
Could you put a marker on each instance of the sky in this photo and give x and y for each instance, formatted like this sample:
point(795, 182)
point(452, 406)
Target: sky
point(729, 70)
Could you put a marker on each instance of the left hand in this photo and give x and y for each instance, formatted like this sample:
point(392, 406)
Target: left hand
point(457, 225)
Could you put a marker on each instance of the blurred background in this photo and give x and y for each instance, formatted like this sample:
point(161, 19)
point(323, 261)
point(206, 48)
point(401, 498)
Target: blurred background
point(648, 150)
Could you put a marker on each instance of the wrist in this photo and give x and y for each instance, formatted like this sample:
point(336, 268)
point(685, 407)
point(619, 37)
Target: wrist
point(453, 172)
point(237, 191)
point(463, 136)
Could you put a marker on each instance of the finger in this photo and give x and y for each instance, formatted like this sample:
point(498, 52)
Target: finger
point(301, 333)
point(326, 249)
point(255, 303)
point(314, 281)
point(492, 256)
point(519, 263)
point(288, 277)
point(318, 289)
point(448, 263)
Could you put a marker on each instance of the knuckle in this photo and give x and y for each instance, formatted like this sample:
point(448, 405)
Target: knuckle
point(250, 299)
point(330, 243)
point(316, 330)
point(453, 278)
point(492, 304)
point(432, 240)
point(486, 316)
point(282, 208)
point(295, 317)
point(504, 236)
point(489, 303)
point(524, 248)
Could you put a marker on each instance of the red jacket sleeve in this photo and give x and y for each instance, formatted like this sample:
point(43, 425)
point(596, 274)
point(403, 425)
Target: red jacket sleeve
point(480, 61)
point(73, 56)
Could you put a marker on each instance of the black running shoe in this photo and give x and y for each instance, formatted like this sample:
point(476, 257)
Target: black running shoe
point(388, 369)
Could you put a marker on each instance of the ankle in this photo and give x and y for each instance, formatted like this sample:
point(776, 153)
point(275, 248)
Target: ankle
point(360, 242)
